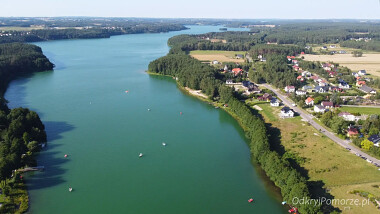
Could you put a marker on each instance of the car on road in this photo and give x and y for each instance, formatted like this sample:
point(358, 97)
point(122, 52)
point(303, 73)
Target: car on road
point(348, 149)
point(357, 154)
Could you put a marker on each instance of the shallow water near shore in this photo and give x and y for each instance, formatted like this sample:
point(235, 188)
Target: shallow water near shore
point(205, 166)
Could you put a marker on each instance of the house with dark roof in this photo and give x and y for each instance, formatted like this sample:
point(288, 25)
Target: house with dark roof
point(286, 112)
point(265, 97)
point(274, 102)
point(375, 139)
point(319, 109)
point(367, 89)
point(321, 89)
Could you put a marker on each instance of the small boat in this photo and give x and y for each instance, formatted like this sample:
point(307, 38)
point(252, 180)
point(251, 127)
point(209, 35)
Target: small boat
point(163, 143)
point(283, 203)
point(140, 155)
point(148, 109)
point(70, 189)
point(250, 200)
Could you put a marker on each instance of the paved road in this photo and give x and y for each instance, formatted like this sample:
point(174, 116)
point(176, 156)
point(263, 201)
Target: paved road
point(308, 117)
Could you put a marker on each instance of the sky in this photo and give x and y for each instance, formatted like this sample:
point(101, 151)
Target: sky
point(229, 9)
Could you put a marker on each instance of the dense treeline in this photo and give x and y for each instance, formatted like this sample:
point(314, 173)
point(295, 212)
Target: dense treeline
point(265, 49)
point(17, 58)
point(192, 73)
point(86, 33)
point(372, 45)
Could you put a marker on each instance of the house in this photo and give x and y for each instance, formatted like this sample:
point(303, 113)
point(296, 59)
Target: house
point(225, 68)
point(342, 52)
point(332, 46)
point(254, 89)
point(239, 56)
point(323, 47)
point(347, 116)
point(286, 112)
point(290, 89)
point(302, 53)
point(319, 109)
point(344, 85)
point(229, 81)
point(327, 104)
point(265, 97)
point(367, 89)
point(362, 72)
point(306, 74)
point(315, 78)
point(246, 83)
point(309, 101)
point(360, 83)
point(300, 93)
point(274, 102)
point(308, 88)
point(335, 89)
point(300, 78)
point(321, 89)
point(237, 71)
point(351, 131)
point(375, 139)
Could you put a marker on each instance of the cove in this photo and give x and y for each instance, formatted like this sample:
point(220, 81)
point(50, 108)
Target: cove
point(204, 168)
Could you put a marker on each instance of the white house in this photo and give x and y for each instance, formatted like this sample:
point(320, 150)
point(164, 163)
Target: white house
point(362, 72)
point(301, 93)
point(347, 116)
point(306, 74)
point(229, 81)
point(319, 109)
point(344, 85)
point(274, 102)
point(290, 89)
point(309, 101)
point(286, 112)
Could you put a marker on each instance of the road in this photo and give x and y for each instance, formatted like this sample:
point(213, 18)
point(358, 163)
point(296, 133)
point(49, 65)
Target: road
point(308, 117)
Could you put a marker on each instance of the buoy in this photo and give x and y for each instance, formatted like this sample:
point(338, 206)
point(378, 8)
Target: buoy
point(66, 156)
point(126, 91)
point(250, 200)
point(140, 155)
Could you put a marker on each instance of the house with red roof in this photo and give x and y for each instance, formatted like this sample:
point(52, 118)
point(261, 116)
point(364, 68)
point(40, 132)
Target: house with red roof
point(351, 131)
point(237, 71)
point(309, 101)
point(360, 83)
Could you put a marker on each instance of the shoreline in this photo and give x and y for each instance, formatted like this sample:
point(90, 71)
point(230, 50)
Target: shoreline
point(273, 190)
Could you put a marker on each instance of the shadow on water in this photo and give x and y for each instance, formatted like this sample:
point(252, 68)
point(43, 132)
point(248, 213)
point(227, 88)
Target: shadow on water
point(58, 65)
point(52, 175)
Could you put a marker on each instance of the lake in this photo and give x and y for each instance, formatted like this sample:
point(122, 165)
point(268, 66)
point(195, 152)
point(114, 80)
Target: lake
point(205, 166)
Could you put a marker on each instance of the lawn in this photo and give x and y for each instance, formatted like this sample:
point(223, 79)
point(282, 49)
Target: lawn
point(324, 160)
point(361, 110)
point(221, 56)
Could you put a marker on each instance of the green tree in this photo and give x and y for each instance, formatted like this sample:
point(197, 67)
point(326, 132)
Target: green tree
point(366, 144)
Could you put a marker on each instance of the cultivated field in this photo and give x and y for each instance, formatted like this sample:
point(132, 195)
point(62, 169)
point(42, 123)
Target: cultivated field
point(339, 170)
point(361, 110)
point(368, 62)
point(221, 56)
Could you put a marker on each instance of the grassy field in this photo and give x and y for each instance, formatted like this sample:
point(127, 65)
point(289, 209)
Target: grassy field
point(221, 56)
point(360, 110)
point(369, 61)
point(317, 48)
point(339, 170)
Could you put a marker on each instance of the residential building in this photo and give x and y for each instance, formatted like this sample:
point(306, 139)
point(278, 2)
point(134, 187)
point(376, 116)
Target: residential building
point(274, 102)
point(286, 112)
point(319, 109)
point(347, 116)
point(351, 131)
point(327, 104)
point(362, 72)
point(265, 97)
point(367, 89)
point(309, 101)
point(360, 83)
point(290, 89)
point(229, 81)
point(344, 85)
point(375, 139)
point(321, 89)
point(300, 93)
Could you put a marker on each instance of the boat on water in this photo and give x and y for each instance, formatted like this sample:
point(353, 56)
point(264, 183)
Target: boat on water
point(140, 155)
point(250, 200)
point(163, 143)
point(70, 189)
